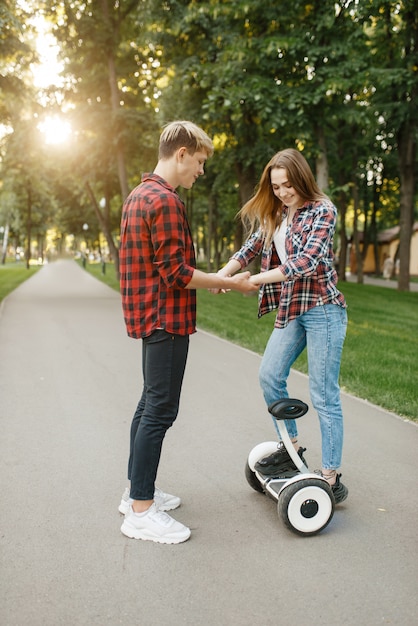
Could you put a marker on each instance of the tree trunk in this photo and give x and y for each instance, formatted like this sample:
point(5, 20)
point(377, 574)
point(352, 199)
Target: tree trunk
point(215, 233)
point(373, 228)
point(246, 187)
point(407, 154)
point(115, 99)
point(29, 226)
point(209, 233)
point(356, 243)
point(120, 156)
point(366, 234)
point(5, 244)
point(104, 225)
point(342, 212)
point(322, 169)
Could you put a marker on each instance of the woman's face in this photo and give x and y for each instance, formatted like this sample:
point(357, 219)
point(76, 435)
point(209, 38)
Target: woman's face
point(283, 190)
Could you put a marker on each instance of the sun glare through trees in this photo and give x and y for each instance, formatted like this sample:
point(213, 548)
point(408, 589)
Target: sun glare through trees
point(47, 77)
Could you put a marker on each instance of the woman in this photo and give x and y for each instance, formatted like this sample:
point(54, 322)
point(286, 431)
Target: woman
point(292, 225)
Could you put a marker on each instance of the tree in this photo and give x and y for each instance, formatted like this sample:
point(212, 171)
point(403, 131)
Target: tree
point(393, 34)
point(261, 81)
point(16, 55)
point(323, 76)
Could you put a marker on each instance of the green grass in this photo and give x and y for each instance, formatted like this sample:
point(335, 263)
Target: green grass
point(380, 358)
point(380, 362)
point(109, 277)
point(12, 274)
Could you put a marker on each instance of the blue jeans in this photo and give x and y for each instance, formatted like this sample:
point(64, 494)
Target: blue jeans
point(322, 331)
point(164, 359)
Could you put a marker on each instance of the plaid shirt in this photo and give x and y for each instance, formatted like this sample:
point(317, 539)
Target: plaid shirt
point(310, 278)
point(157, 261)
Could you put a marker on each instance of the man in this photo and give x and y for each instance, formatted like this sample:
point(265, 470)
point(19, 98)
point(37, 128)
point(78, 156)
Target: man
point(158, 282)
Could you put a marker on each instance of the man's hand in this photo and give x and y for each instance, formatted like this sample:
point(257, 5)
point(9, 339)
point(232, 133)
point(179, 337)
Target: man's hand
point(241, 282)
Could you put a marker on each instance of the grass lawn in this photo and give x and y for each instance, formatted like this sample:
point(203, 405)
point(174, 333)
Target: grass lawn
point(380, 362)
point(380, 358)
point(12, 274)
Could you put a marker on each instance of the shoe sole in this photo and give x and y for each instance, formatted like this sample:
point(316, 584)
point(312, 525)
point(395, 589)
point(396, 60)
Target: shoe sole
point(132, 533)
point(286, 466)
point(123, 509)
point(283, 474)
point(277, 471)
point(274, 470)
point(339, 498)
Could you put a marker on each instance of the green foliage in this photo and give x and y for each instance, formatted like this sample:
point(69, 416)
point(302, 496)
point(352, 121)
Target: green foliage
point(337, 80)
point(96, 46)
point(16, 54)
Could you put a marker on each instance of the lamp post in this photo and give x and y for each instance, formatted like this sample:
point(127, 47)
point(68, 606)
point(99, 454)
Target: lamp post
point(102, 205)
point(4, 242)
point(85, 228)
point(2, 252)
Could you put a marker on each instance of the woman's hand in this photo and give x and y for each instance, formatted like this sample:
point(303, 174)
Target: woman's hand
point(219, 290)
point(242, 282)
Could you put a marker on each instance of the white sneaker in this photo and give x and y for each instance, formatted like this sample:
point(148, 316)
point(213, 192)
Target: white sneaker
point(164, 501)
point(154, 525)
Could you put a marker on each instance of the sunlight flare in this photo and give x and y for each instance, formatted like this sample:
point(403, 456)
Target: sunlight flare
point(55, 129)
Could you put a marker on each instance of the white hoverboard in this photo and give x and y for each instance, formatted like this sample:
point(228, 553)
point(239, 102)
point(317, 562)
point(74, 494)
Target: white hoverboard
point(305, 501)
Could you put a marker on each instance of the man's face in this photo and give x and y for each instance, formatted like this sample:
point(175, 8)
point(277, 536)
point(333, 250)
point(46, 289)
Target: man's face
point(190, 167)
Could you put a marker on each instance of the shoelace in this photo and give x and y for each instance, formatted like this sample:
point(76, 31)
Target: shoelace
point(281, 449)
point(161, 517)
point(327, 478)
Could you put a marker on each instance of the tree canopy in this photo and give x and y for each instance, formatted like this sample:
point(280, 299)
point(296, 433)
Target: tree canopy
point(337, 80)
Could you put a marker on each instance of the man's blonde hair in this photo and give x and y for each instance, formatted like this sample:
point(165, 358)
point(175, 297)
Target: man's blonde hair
point(183, 134)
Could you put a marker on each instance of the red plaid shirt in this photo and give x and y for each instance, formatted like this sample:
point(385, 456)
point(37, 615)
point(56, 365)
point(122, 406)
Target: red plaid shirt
point(157, 261)
point(310, 277)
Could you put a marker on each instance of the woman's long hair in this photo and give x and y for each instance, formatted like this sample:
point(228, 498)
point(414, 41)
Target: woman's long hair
point(264, 210)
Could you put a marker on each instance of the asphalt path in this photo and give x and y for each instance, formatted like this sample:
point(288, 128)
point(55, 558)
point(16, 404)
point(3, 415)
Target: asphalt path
point(69, 383)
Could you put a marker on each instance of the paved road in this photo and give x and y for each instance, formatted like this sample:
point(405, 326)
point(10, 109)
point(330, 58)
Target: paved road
point(69, 381)
point(380, 282)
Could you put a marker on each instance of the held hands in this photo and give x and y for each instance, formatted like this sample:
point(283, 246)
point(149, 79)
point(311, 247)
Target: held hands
point(239, 282)
point(217, 290)
point(242, 282)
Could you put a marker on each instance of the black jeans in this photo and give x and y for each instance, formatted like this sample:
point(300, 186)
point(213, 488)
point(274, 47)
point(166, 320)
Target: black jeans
point(164, 359)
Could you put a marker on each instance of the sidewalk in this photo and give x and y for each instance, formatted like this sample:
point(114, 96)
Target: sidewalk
point(69, 383)
point(380, 282)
